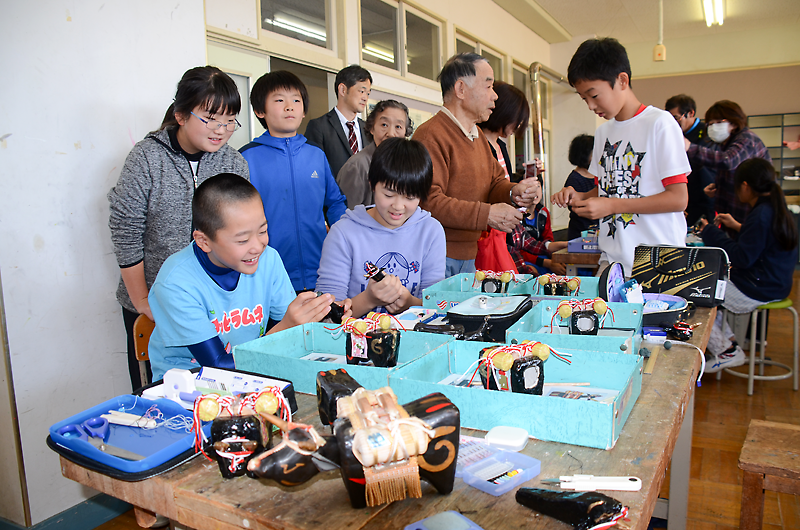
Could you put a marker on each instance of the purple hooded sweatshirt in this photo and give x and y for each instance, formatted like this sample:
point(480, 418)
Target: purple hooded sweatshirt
point(414, 252)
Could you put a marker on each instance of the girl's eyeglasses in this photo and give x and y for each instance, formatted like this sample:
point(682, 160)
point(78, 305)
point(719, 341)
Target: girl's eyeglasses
point(214, 125)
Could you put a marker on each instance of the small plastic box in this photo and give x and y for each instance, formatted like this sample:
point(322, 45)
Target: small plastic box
point(491, 475)
point(507, 438)
point(448, 520)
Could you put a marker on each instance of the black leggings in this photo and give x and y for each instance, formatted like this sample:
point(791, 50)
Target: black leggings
point(129, 317)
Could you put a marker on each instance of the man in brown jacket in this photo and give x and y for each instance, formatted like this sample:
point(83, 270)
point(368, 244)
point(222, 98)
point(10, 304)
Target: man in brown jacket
point(469, 191)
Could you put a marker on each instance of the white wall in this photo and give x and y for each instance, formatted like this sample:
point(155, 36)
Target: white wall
point(82, 81)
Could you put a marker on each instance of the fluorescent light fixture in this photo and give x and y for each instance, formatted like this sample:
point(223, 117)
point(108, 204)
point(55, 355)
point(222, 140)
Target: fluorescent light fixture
point(297, 28)
point(379, 54)
point(714, 12)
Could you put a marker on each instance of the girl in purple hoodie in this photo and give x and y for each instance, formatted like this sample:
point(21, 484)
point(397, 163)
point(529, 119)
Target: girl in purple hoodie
point(394, 234)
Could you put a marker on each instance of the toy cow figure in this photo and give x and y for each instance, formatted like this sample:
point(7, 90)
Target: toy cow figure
point(382, 449)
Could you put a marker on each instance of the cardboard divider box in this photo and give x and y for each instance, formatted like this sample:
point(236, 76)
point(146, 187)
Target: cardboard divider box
point(282, 355)
point(614, 380)
point(625, 329)
point(458, 288)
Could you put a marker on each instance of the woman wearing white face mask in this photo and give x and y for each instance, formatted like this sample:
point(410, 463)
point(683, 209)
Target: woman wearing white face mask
point(734, 143)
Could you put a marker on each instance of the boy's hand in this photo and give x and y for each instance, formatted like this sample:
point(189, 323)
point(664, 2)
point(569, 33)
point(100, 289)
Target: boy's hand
point(347, 305)
point(593, 207)
point(556, 268)
point(504, 217)
point(528, 191)
point(402, 303)
point(307, 307)
point(555, 246)
point(386, 291)
point(686, 143)
point(564, 197)
point(710, 190)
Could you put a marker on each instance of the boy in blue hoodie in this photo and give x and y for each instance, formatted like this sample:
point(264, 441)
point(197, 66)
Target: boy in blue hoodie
point(295, 182)
point(394, 234)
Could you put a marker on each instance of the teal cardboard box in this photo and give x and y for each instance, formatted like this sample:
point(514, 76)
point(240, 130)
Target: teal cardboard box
point(299, 353)
point(458, 288)
point(622, 333)
point(592, 416)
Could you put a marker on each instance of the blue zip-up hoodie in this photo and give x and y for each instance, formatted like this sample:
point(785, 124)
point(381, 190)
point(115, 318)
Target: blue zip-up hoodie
point(296, 187)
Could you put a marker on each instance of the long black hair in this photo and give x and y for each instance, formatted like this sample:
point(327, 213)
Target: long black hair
point(760, 176)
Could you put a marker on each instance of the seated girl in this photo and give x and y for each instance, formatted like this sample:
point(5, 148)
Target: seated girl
point(531, 242)
point(395, 235)
point(389, 119)
point(762, 258)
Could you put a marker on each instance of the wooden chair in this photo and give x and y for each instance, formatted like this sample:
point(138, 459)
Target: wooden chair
point(142, 329)
point(769, 462)
point(761, 360)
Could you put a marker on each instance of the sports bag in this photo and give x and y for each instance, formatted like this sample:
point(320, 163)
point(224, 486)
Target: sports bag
point(698, 274)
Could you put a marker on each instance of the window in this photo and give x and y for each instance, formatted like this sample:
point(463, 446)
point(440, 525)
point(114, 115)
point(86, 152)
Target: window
point(494, 61)
point(396, 36)
point(522, 146)
point(465, 47)
point(305, 20)
point(379, 33)
point(422, 46)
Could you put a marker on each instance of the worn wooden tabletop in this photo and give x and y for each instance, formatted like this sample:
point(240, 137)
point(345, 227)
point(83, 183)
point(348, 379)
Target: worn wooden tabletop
point(575, 258)
point(198, 497)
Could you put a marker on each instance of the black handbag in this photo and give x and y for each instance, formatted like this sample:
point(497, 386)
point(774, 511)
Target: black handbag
point(698, 274)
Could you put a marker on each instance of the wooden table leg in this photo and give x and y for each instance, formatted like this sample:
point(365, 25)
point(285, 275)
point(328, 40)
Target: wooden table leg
point(752, 512)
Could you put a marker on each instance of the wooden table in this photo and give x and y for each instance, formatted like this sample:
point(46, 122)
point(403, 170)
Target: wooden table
point(196, 496)
point(770, 461)
point(574, 259)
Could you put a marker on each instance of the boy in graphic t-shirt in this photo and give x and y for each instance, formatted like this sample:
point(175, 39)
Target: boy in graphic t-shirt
point(638, 160)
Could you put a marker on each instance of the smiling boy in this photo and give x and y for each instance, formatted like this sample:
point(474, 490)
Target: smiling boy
point(638, 159)
point(295, 182)
point(396, 234)
point(220, 291)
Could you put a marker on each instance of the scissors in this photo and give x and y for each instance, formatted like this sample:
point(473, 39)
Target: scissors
point(95, 430)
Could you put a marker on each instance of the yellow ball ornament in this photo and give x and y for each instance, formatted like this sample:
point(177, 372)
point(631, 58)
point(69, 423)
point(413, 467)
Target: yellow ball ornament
point(480, 276)
point(208, 409)
point(505, 277)
point(267, 404)
point(541, 351)
point(600, 307)
point(564, 311)
point(543, 279)
point(573, 284)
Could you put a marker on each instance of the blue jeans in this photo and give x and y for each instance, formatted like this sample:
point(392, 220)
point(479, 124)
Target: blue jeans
point(455, 266)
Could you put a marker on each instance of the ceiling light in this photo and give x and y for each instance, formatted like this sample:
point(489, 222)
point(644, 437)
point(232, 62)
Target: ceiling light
point(297, 28)
point(375, 52)
point(713, 11)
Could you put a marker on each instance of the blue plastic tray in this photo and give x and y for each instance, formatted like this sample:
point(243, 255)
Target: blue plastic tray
point(157, 445)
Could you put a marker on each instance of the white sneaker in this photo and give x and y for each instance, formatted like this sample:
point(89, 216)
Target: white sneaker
point(725, 360)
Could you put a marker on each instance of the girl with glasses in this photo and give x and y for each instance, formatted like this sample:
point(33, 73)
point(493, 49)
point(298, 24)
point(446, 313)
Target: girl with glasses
point(151, 204)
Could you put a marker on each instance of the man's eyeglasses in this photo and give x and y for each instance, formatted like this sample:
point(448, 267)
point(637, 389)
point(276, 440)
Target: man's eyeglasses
point(214, 125)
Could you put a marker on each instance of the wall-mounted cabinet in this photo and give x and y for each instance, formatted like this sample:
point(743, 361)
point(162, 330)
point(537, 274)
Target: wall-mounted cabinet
point(774, 129)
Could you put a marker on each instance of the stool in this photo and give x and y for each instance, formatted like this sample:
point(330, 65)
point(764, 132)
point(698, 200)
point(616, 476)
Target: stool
point(751, 374)
point(769, 461)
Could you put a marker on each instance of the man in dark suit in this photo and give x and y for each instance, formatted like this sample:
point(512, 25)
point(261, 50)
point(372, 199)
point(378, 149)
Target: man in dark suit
point(683, 109)
point(341, 132)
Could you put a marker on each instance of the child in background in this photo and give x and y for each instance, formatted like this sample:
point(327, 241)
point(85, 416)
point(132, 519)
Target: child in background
point(638, 158)
point(395, 234)
point(150, 207)
point(580, 155)
point(220, 291)
point(531, 242)
point(763, 257)
point(292, 176)
point(389, 119)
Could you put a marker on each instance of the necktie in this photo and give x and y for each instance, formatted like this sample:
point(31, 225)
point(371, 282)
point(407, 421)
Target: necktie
point(351, 137)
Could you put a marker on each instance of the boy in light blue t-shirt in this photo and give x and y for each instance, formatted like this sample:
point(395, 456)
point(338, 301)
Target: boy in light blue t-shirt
point(221, 290)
